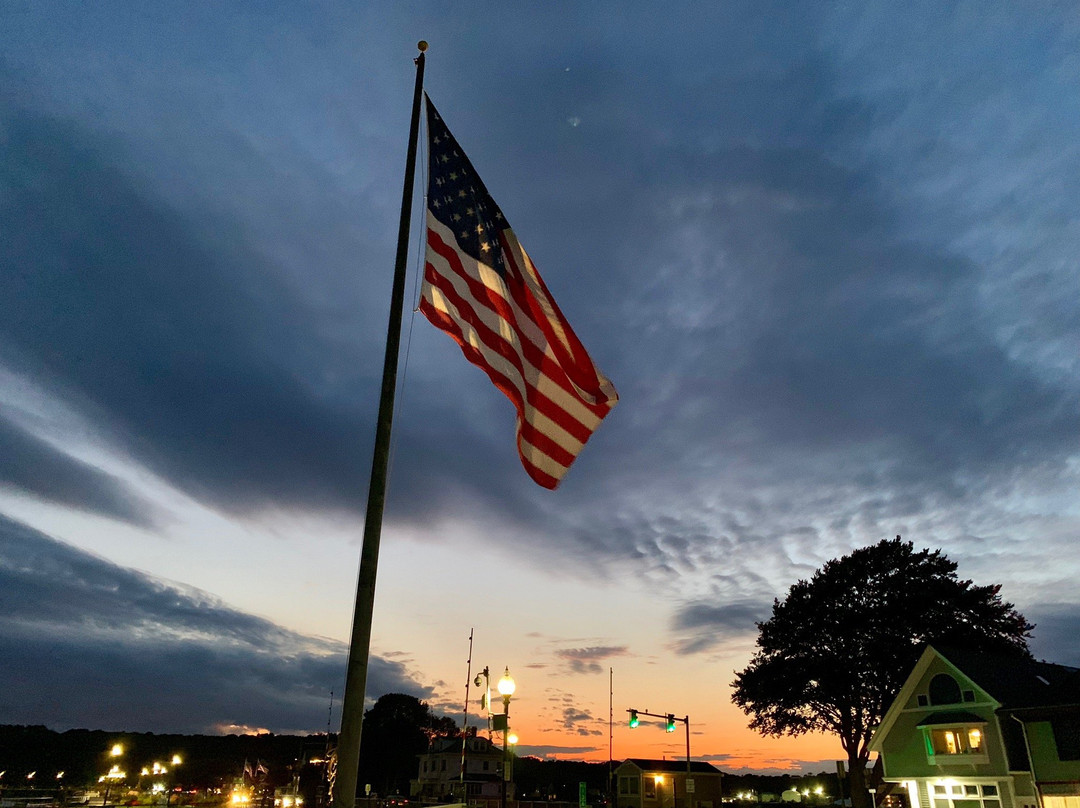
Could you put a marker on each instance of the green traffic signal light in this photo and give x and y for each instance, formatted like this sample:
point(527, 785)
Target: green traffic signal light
point(670, 725)
point(634, 719)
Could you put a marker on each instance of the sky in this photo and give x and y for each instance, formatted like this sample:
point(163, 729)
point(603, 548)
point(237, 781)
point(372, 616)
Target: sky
point(827, 253)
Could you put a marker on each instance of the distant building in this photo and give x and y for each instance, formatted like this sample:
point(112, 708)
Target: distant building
point(642, 783)
point(440, 770)
point(973, 730)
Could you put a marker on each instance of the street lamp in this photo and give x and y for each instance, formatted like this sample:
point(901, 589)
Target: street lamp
point(506, 687)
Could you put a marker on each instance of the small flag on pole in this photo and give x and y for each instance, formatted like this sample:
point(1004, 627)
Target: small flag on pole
point(481, 288)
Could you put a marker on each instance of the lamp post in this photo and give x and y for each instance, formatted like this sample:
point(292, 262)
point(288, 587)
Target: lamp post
point(163, 771)
point(507, 687)
point(114, 773)
point(512, 741)
point(175, 761)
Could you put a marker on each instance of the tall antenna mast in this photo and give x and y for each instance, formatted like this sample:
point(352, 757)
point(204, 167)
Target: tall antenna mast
point(465, 720)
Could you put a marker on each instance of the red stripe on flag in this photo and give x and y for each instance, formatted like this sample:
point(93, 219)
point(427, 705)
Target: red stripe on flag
point(482, 294)
point(526, 429)
point(577, 364)
point(495, 343)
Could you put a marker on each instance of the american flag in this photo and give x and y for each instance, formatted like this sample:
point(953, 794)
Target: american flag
point(481, 288)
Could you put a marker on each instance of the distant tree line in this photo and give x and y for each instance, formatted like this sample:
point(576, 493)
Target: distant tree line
point(396, 730)
point(208, 760)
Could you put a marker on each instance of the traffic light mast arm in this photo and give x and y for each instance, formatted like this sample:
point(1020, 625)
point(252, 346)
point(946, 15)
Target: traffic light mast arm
point(665, 716)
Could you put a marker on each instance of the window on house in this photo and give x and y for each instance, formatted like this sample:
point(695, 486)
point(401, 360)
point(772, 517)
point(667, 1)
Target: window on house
point(955, 741)
point(965, 795)
point(486, 762)
point(443, 768)
point(650, 788)
point(628, 785)
point(944, 690)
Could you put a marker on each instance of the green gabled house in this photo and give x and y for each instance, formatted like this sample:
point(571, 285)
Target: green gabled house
point(976, 730)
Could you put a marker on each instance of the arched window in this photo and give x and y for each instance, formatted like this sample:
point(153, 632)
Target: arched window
point(944, 690)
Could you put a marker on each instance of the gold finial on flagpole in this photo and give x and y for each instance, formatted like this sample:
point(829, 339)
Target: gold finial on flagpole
point(422, 45)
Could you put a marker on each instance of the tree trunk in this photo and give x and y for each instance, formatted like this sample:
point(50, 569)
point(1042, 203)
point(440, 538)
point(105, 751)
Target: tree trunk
point(860, 797)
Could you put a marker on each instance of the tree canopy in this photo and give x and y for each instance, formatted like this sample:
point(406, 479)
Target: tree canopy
point(837, 649)
point(396, 729)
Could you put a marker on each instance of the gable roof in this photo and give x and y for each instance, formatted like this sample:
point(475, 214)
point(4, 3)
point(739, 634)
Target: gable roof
point(1017, 683)
point(903, 697)
point(672, 766)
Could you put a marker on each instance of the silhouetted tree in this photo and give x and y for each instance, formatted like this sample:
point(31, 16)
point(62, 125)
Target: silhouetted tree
point(396, 729)
point(837, 649)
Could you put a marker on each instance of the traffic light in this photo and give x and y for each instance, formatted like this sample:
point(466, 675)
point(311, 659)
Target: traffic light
point(670, 725)
point(634, 719)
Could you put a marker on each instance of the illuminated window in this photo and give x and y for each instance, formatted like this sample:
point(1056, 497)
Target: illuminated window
point(955, 741)
point(953, 794)
point(948, 742)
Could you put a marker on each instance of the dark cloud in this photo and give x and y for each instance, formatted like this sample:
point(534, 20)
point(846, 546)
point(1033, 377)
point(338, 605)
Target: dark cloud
point(1057, 625)
point(177, 332)
point(703, 626)
point(579, 722)
point(587, 660)
point(553, 751)
point(39, 468)
point(89, 644)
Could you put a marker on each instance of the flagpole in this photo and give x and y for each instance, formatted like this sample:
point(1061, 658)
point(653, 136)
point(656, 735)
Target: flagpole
point(352, 705)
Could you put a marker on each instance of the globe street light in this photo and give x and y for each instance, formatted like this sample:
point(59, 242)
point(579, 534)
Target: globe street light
point(506, 690)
